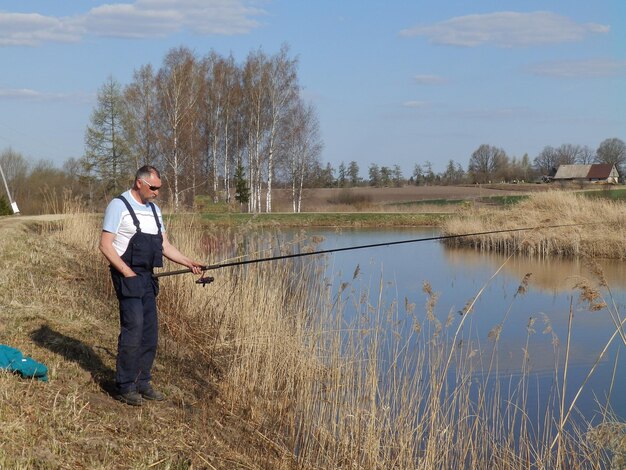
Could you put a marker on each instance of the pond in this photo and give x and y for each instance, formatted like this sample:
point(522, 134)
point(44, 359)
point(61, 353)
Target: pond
point(534, 318)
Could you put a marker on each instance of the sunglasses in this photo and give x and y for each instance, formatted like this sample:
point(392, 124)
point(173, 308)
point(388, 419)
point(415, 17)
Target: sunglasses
point(152, 188)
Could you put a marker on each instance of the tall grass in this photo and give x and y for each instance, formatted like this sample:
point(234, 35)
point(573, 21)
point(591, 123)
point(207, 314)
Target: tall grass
point(339, 379)
point(597, 227)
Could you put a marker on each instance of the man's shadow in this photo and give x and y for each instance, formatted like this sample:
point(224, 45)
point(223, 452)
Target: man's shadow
point(76, 351)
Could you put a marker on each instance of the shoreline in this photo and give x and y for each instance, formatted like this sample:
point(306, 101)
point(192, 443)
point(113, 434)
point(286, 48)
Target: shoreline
point(326, 219)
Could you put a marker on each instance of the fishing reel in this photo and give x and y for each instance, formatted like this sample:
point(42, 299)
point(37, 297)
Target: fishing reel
point(204, 280)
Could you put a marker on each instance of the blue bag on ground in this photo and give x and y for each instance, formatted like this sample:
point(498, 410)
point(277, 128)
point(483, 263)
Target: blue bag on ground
point(13, 360)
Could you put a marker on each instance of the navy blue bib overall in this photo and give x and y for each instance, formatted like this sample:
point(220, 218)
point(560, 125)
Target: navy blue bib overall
point(137, 342)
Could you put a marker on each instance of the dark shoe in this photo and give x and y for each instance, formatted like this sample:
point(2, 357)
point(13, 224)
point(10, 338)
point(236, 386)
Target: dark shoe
point(152, 394)
point(130, 398)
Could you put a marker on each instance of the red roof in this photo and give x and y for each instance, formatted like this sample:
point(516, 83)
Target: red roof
point(600, 171)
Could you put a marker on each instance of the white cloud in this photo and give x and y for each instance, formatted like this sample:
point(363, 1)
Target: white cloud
point(589, 68)
point(429, 80)
point(34, 95)
point(18, 93)
point(514, 112)
point(414, 104)
point(141, 19)
point(506, 29)
point(31, 29)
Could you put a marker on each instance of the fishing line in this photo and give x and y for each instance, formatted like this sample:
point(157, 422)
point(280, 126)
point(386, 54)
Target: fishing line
point(349, 248)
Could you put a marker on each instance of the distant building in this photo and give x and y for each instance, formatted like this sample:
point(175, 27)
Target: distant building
point(596, 173)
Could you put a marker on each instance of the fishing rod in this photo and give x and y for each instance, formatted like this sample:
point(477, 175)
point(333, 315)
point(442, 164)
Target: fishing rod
point(208, 279)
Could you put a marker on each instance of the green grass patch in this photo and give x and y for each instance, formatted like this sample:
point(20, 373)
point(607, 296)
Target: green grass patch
point(205, 204)
point(429, 202)
point(492, 200)
point(607, 193)
point(327, 219)
point(503, 200)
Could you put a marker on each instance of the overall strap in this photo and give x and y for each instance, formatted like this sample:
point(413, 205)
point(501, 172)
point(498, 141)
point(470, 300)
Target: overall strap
point(132, 213)
point(156, 217)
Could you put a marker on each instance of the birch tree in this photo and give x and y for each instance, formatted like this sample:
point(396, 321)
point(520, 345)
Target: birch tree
point(232, 84)
point(303, 149)
point(282, 90)
point(141, 106)
point(254, 87)
point(178, 89)
point(220, 99)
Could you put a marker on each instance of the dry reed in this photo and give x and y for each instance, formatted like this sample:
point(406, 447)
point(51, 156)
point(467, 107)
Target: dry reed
point(596, 228)
point(336, 393)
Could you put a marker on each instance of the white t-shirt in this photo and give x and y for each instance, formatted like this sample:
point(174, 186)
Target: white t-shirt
point(117, 220)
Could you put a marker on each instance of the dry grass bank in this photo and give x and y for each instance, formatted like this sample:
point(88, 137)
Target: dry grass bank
point(261, 369)
point(57, 306)
point(598, 227)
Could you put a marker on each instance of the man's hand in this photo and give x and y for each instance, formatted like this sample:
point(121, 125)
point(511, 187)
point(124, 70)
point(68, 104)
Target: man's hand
point(195, 267)
point(106, 247)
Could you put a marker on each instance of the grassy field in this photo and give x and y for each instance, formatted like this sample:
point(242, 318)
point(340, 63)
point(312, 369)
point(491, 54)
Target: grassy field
point(371, 199)
point(405, 206)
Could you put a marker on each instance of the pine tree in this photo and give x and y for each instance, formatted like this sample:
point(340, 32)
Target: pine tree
point(106, 150)
point(5, 208)
point(242, 191)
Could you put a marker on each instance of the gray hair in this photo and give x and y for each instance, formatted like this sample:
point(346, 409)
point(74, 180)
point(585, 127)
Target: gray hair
point(146, 171)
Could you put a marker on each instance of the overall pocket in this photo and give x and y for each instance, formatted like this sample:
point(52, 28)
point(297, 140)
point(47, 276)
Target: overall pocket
point(132, 286)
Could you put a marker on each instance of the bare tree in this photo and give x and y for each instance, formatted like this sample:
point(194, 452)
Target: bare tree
point(255, 123)
point(303, 147)
point(429, 174)
point(232, 83)
point(15, 170)
point(282, 90)
point(486, 162)
point(178, 89)
point(568, 154)
point(612, 151)
point(141, 103)
point(547, 162)
point(221, 97)
point(587, 155)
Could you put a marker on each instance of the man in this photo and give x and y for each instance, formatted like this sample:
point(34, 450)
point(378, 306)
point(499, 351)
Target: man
point(134, 242)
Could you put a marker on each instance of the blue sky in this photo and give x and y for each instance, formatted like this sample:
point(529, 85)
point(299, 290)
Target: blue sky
point(394, 82)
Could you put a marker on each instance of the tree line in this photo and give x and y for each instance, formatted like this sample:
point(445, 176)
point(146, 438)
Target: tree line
point(490, 163)
point(211, 125)
point(487, 163)
point(42, 187)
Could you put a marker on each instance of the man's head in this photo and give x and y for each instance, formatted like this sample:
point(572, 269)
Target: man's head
point(147, 183)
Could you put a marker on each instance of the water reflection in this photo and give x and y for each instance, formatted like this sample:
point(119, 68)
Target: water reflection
point(550, 275)
point(535, 321)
